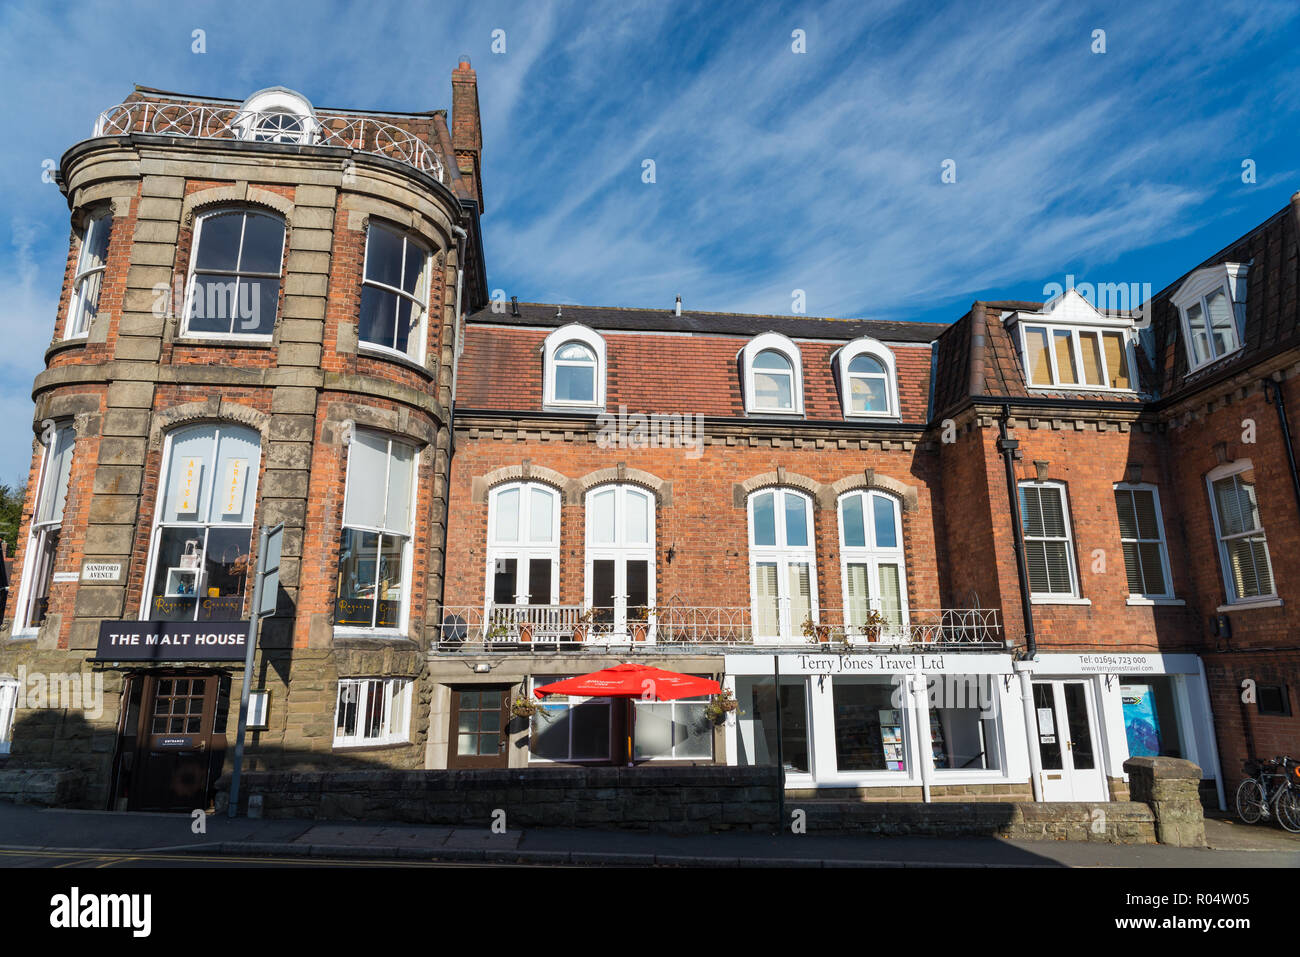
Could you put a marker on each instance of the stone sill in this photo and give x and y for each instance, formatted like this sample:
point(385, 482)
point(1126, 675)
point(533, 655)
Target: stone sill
point(1138, 600)
point(1248, 605)
point(1060, 601)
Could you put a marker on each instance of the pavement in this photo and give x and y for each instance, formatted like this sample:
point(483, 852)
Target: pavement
point(35, 835)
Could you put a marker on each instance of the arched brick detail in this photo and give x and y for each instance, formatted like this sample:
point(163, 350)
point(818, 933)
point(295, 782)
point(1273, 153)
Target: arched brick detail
point(622, 474)
point(741, 491)
point(526, 471)
point(240, 194)
point(869, 478)
point(215, 409)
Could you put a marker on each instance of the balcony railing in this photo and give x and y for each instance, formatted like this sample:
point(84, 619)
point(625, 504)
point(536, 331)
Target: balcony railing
point(231, 123)
point(678, 627)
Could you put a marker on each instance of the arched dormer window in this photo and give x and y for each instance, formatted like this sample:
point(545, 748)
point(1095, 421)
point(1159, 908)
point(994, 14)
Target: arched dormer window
point(574, 367)
point(772, 375)
point(277, 115)
point(868, 379)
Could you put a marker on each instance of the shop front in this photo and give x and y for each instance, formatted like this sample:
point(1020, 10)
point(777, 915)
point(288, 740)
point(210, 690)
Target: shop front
point(939, 726)
point(176, 709)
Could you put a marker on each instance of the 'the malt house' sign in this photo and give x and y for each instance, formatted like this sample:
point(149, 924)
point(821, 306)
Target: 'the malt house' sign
point(172, 640)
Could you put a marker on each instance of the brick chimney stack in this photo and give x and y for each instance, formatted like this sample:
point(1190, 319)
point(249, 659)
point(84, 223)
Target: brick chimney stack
point(466, 134)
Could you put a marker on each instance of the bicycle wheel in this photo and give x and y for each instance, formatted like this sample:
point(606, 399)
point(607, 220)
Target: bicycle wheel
point(1250, 801)
point(1287, 805)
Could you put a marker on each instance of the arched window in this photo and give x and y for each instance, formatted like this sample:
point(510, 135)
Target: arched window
point(277, 115)
point(868, 379)
point(620, 557)
point(523, 553)
point(773, 375)
point(782, 563)
point(89, 280)
point(203, 526)
point(574, 360)
point(873, 568)
point(234, 284)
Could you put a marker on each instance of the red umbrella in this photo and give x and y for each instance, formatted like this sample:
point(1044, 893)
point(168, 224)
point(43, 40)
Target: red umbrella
point(633, 681)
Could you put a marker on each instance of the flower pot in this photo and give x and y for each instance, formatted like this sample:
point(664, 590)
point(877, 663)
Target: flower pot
point(824, 634)
point(526, 632)
point(873, 633)
point(579, 632)
point(639, 631)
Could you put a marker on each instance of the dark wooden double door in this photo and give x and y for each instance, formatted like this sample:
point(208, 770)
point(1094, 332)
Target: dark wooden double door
point(173, 740)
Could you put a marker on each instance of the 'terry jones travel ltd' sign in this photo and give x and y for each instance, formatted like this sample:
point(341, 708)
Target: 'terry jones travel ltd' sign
point(172, 640)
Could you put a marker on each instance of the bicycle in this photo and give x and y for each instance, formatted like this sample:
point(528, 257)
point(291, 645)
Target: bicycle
point(1271, 790)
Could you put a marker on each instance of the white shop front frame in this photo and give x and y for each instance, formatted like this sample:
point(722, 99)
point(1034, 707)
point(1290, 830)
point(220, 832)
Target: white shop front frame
point(1101, 672)
point(913, 678)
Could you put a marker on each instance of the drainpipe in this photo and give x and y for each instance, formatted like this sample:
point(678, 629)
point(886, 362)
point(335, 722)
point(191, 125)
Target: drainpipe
point(1024, 669)
point(1274, 393)
point(461, 238)
point(921, 704)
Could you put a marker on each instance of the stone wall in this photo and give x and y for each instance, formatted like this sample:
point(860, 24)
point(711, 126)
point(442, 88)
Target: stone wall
point(1171, 786)
point(681, 800)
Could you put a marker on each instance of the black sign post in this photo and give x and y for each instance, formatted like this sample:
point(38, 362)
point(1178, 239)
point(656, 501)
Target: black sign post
point(268, 578)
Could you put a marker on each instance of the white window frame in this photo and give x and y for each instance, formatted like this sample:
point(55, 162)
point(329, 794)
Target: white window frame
point(673, 755)
point(1076, 348)
point(871, 554)
point(408, 547)
point(973, 683)
point(783, 555)
point(573, 332)
point(236, 275)
point(844, 357)
point(569, 701)
point(397, 711)
point(1228, 470)
point(255, 110)
point(1196, 289)
point(1131, 488)
point(524, 550)
point(164, 483)
point(60, 438)
point(1053, 597)
point(775, 342)
point(620, 551)
point(8, 712)
point(74, 329)
point(418, 339)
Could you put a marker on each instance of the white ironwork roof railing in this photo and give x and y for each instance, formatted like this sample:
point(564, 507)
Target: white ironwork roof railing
point(362, 133)
point(575, 628)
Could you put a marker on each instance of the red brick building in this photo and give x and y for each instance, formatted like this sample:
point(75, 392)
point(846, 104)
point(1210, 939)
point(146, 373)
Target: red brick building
point(993, 558)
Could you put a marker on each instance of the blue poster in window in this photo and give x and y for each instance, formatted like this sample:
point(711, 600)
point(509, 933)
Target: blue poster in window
point(1141, 726)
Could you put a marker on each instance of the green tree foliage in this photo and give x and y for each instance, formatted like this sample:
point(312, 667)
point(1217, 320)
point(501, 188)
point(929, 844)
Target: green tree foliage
point(11, 507)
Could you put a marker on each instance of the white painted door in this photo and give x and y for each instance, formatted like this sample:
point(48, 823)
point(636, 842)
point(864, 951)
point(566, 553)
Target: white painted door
point(1067, 742)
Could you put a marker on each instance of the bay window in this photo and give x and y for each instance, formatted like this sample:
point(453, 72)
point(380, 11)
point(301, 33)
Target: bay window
point(234, 284)
point(203, 527)
point(1243, 547)
point(873, 567)
point(89, 279)
point(375, 546)
point(394, 292)
point(43, 533)
point(782, 563)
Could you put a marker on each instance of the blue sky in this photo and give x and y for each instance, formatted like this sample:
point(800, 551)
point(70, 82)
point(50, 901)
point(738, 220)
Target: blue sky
point(774, 170)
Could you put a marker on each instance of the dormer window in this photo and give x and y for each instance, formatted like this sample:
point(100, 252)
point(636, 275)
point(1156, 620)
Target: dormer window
point(1211, 303)
point(868, 379)
point(574, 358)
point(277, 115)
point(1072, 346)
point(773, 375)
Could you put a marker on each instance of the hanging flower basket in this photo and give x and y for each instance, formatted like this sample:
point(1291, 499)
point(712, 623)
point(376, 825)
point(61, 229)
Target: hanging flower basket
point(523, 707)
point(719, 706)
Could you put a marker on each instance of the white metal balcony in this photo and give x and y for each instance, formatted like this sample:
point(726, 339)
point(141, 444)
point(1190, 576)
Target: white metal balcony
point(362, 133)
point(574, 628)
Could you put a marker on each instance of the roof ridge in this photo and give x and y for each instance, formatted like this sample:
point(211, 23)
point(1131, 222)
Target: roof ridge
point(738, 315)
